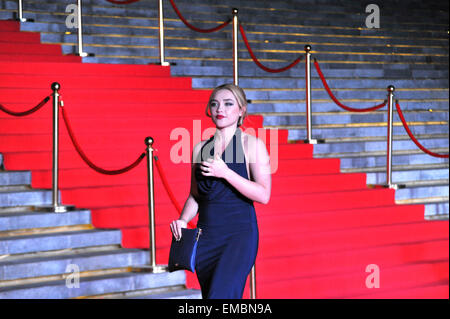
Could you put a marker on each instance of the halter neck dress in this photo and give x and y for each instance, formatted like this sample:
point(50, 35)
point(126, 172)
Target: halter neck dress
point(228, 245)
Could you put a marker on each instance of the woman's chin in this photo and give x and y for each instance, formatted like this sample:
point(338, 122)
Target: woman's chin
point(222, 124)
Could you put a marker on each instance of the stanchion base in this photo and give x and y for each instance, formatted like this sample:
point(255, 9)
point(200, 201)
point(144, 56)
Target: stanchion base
point(55, 209)
point(157, 269)
point(24, 20)
point(164, 63)
point(16, 18)
point(85, 54)
point(391, 186)
point(313, 141)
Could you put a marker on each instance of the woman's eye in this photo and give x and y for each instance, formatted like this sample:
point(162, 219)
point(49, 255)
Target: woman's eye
point(214, 104)
point(228, 104)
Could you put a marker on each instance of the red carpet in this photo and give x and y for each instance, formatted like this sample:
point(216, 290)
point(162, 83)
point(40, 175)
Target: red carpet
point(319, 232)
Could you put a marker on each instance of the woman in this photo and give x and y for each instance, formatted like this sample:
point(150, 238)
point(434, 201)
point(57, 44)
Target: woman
point(230, 171)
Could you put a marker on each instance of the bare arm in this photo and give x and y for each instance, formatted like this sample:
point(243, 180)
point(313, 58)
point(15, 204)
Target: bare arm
point(190, 208)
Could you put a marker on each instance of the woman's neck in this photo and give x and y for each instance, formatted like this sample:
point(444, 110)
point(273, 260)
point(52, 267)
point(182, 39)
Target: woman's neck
point(224, 136)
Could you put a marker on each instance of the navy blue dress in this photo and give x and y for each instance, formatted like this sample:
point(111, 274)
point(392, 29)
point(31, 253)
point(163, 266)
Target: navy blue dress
point(229, 242)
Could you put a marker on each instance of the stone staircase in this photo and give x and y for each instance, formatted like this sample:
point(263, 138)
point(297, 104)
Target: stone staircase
point(41, 250)
point(408, 51)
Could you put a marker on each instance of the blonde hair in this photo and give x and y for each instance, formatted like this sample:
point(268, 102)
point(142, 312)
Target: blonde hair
point(238, 93)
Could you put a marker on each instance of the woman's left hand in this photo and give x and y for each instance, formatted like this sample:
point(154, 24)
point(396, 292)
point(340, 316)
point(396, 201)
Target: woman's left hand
point(214, 167)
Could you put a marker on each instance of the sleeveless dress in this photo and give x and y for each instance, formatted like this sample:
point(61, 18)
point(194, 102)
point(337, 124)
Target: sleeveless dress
point(228, 245)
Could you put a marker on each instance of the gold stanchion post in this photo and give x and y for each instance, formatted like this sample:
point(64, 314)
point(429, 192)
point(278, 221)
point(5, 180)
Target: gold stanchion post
point(234, 12)
point(55, 206)
point(161, 35)
point(390, 124)
point(153, 267)
point(236, 82)
point(309, 139)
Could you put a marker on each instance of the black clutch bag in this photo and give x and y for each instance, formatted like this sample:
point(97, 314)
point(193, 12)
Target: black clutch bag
point(182, 252)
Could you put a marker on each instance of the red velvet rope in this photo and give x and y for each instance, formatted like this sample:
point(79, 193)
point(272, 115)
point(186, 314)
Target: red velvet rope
point(223, 25)
point(413, 138)
point(335, 100)
point(30, 111)
point(265, 68)
point(86, 159)
point(167, 187)
point(122, 2)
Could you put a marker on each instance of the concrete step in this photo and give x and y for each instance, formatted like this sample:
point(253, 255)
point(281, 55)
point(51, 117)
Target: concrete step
point(27, 219)
point(184, 69)
point(342, 118)
point(172, 292)
point(437, 210)
point(94, 285)
point(343, 93)
point(24, 197)
point(298, 132)
point(182, 294)
point(324, 64)
point(227, 62)
point(422, 192)
point(409, 176)
point(47, 266)
point(326, 105)
point(211, 82)
point(380, 145)
point(396, 168)
point(21, 244)
point(358, 139)
point(8, 178)
point(377, 159)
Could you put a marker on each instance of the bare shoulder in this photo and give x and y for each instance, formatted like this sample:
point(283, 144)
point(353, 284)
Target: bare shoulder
point(253, 140)
point(254, 146)
point(198, 146)
point(196, 151)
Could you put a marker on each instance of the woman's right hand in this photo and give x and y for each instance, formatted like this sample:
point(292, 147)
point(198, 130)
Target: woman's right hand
point(176, 226)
